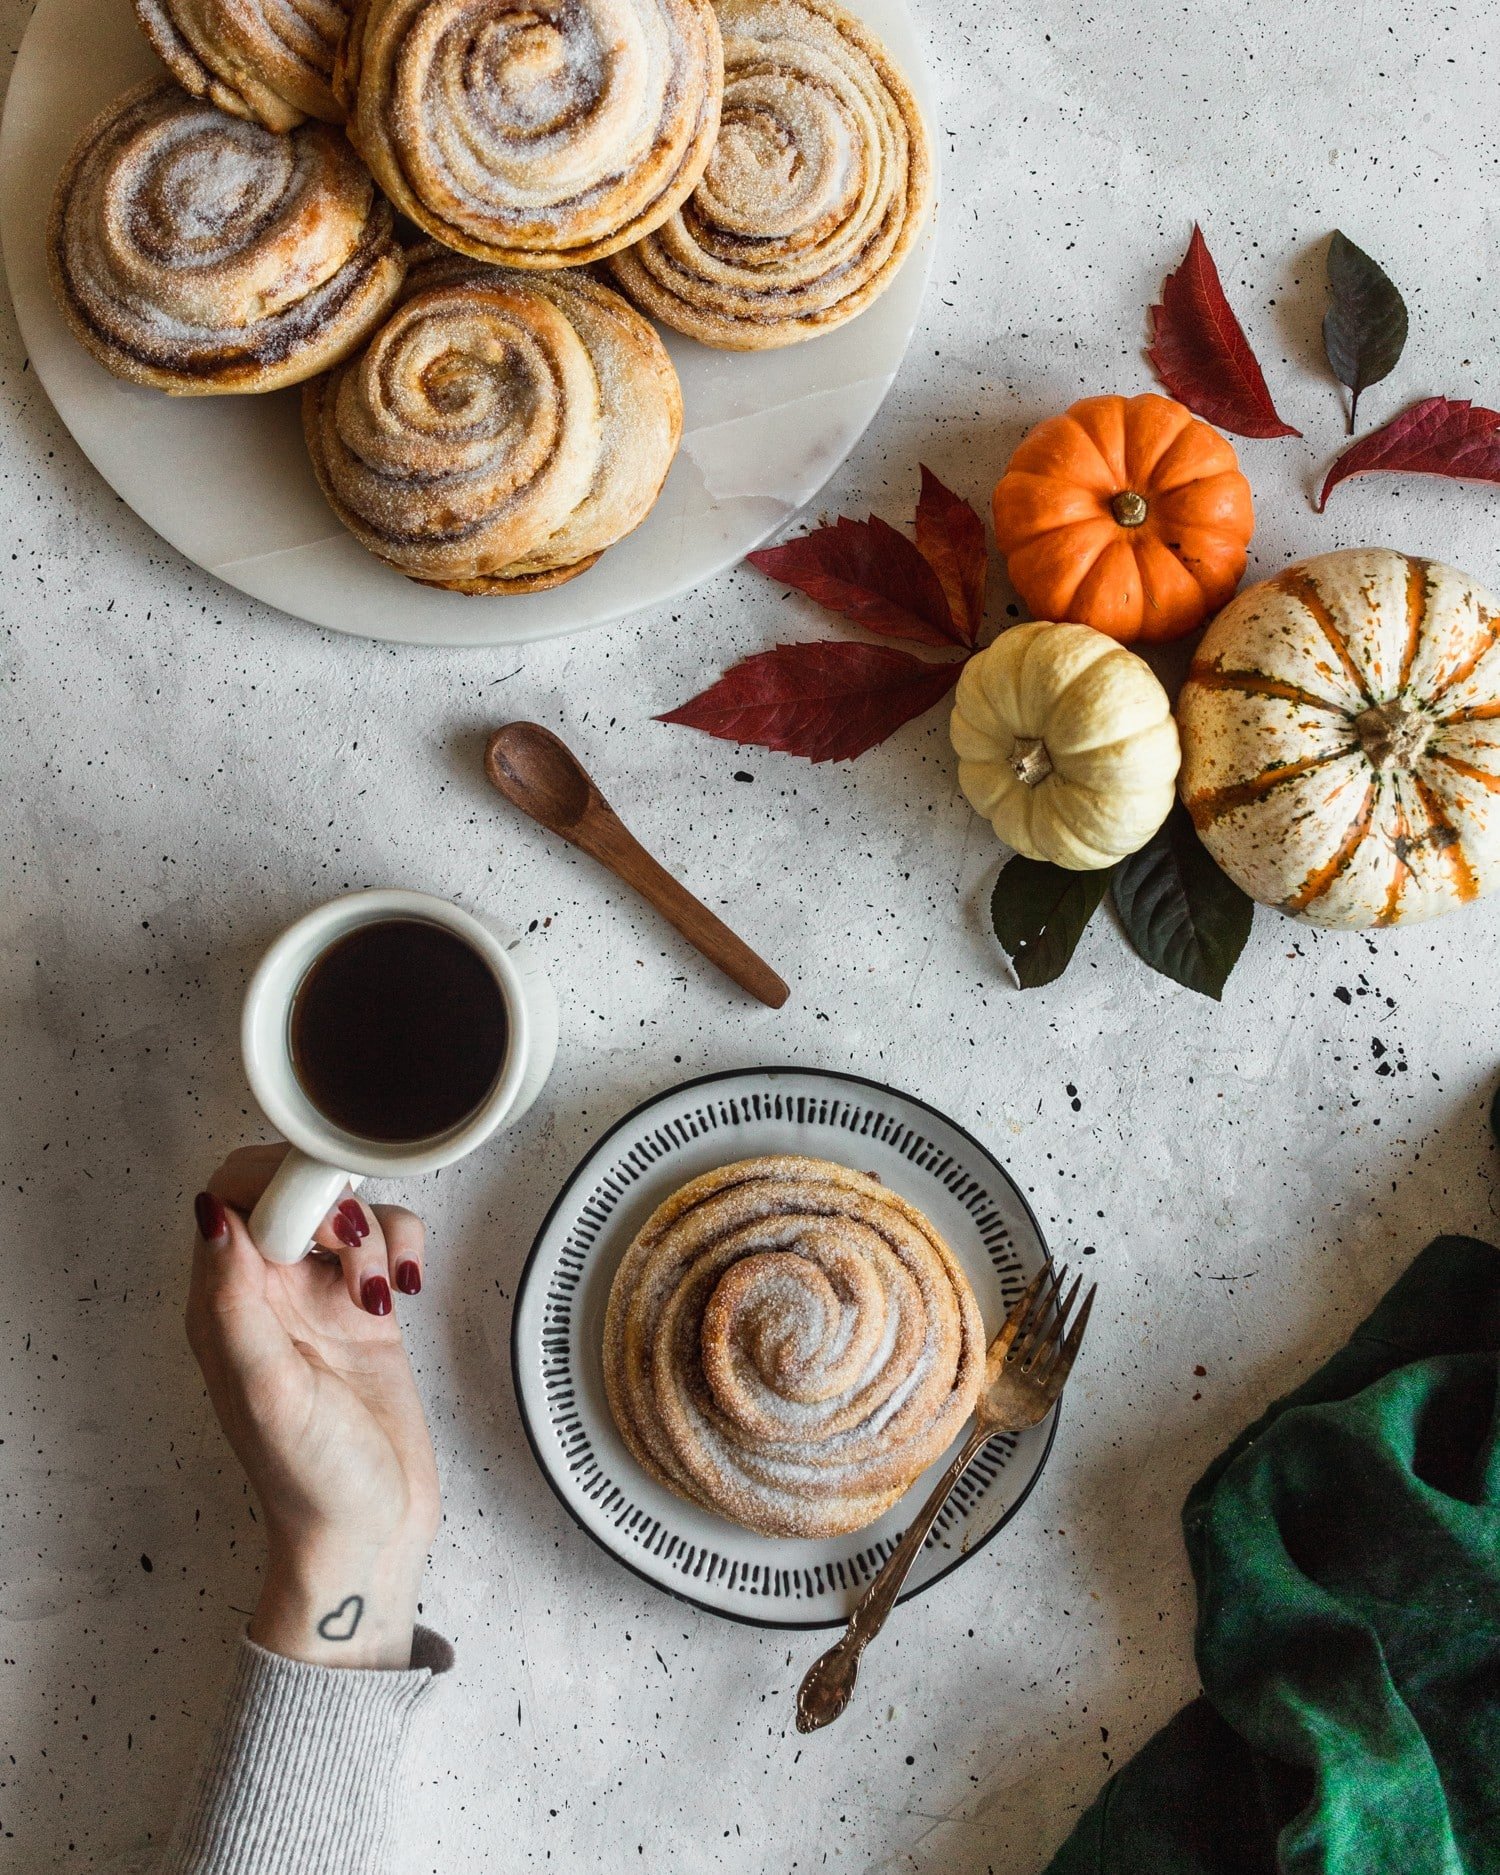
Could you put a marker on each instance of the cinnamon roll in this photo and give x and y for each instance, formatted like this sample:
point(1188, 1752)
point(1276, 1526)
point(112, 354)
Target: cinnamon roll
point(269, 60)
point(640, 409)
point(790, 1345)
point(534, 135)
point(198, 253)
point(500, 431)
point(815, 191)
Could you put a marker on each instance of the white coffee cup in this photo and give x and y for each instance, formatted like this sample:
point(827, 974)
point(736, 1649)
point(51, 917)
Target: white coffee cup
point(324, 1157)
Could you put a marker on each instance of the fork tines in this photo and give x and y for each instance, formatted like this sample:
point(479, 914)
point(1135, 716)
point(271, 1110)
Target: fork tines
point(1036, 1340)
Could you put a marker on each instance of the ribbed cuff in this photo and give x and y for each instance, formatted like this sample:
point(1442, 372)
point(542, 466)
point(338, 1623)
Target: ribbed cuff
point(302, 1775)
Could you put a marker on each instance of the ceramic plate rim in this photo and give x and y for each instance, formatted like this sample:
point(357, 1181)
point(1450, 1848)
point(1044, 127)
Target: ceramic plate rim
point(721, 1076)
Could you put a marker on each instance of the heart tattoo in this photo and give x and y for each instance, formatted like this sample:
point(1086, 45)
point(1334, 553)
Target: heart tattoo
point(340, 1623)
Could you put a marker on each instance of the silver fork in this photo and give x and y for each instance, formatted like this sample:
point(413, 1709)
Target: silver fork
point(1025, 1367)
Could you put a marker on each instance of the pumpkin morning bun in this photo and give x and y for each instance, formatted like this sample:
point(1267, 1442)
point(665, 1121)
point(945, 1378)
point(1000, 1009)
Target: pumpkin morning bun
point(790, 1345)
point(270, 60)
point(199, 254)
point(500, 431)
point(814, 193)
point(534, 136)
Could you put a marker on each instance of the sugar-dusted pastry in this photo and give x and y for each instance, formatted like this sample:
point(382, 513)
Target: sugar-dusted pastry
point(790, 1345)
point(816, 188)
point(542, 135)
point(270, 60)
point(501, 430)
point(199, 253)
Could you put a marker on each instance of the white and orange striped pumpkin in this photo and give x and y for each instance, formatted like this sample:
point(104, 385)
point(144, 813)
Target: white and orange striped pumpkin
point(1341, 739)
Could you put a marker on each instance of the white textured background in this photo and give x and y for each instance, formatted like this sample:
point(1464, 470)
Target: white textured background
point(184, 771)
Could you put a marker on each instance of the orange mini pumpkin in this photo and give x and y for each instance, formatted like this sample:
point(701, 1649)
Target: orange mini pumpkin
point(1127, 514)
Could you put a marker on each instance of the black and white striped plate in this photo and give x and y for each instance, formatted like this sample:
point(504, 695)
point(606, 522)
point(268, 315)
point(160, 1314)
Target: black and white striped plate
point(558, 1330)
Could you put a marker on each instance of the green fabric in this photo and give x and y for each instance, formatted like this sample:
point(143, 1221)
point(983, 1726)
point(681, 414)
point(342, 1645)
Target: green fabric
point(1347, 1554)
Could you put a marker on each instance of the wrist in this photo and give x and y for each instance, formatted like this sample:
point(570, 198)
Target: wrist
point(339, 1605)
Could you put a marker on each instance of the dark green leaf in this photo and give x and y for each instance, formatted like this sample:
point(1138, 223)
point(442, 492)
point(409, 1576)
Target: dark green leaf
point(1040, 911)
point(1364, 329)
point(1184, 917)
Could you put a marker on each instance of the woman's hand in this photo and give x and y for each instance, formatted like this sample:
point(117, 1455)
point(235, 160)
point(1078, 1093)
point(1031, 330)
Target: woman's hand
point(309, 1377)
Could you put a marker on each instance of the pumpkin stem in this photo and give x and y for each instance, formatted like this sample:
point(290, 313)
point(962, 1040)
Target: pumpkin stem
point(1030, 760)
point(1128, 508)
point(1393, 734)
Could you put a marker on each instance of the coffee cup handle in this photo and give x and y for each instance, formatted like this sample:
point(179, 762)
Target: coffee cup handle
point(294, 1204)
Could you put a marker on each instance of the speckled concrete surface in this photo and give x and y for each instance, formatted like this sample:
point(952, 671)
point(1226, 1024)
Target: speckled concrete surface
point(184, 771)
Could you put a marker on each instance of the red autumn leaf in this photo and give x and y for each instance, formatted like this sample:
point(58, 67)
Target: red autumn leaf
point(868, 573)
point(1439, 436)
point(1201, 354)
point(950, 537)
point(829, 702)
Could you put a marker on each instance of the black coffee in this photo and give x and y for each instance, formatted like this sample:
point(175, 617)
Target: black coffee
point(398, 1030)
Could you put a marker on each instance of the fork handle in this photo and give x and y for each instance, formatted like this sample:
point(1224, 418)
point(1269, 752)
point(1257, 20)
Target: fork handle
point(829, 1682)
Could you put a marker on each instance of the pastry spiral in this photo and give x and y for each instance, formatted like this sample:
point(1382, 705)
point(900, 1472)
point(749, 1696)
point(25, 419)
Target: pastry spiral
point(816, 188)
point(199, 253)
point(534, 135)
point(790, 1345)
point(269, 60)
point(500, 431)
point(640, 411)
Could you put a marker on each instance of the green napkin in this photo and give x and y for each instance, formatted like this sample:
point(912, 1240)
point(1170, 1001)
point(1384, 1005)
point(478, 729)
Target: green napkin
point(1347, 1555)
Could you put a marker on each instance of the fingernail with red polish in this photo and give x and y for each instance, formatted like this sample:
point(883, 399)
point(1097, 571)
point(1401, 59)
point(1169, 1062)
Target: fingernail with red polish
point(375, 1293)
point(408, 1279)
point(353, 1214)
point(344, 1230)
point(213, 1221)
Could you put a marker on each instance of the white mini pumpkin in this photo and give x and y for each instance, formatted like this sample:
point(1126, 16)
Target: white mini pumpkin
point(1066, 744)
point(1341, 739)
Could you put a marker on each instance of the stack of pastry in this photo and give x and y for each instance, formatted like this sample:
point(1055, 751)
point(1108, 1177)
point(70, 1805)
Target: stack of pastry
point(790, 1345)
point(750, 174)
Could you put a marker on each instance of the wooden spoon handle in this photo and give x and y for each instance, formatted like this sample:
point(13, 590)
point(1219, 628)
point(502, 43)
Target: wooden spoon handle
point(612, 843)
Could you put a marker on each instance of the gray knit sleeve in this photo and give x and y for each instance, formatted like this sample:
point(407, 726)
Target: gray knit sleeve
point(302, 1774)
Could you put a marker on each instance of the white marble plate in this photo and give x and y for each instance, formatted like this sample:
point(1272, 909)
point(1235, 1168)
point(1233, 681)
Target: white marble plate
point(227, 481)
point(558, 1331)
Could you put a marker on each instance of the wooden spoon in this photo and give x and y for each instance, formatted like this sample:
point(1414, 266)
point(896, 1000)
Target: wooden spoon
point(542, 776)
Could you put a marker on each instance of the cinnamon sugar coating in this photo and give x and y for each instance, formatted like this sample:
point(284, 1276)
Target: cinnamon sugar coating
point(500, 431)
point(817, 186)
point(541, 136)
point(198, 253)
point(790, 1345)
point(269, 60)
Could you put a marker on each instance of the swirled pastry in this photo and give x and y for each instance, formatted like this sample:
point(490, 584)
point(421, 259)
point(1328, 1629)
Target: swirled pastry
point(199, 253)
point(816, 188)
point(269, 60)
point(534, 135)
point(501, 430)
point(789, 1344)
